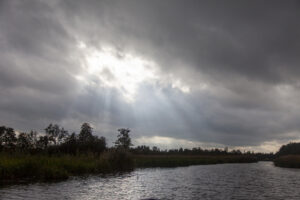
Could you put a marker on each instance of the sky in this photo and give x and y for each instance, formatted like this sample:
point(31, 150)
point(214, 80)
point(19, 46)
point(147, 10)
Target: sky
point(176, 73)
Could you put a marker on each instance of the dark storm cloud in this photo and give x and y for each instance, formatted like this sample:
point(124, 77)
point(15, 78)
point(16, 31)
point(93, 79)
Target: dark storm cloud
point(252, 39)
point(246, 53)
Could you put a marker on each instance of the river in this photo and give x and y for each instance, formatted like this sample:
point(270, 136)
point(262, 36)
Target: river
point(224, 181)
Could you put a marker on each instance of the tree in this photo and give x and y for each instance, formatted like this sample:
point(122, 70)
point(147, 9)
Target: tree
point(124, 140)
point(155, 149)
point(97, 145)
point(56, 134)
point(291, 148)
point(7, 137)
point(70, 144)
point(85, 134)
point(33, 138)
point(63, 135)
point(23, 141)
point(2, 131)
point(43, 142)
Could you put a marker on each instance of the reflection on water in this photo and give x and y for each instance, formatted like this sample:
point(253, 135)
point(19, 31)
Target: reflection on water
point(226, 181)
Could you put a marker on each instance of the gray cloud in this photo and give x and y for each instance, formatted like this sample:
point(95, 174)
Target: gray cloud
point(239, 58)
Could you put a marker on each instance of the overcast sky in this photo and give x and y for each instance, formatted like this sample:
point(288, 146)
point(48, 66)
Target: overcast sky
point(177, 73)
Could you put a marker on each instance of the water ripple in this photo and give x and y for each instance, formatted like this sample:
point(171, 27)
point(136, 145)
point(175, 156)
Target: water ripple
point(227, 181)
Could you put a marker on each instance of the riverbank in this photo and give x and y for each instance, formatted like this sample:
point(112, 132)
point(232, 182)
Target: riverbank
point(145, 161)
point(288, 161)
point(15, 168)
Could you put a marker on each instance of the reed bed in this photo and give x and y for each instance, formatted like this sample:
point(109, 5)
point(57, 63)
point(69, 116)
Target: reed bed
point(290, 161)
point(25, 167)
point(43, 167)
point(186, 160)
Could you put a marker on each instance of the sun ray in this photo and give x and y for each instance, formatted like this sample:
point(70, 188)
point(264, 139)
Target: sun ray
point(123, 71)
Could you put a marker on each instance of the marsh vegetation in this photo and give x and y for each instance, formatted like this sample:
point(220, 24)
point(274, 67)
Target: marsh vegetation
point(56, 154)
point(288, 156)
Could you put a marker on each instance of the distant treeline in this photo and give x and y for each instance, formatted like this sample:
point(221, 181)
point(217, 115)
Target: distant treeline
point(292, 148)
point(288, 156)
point(145, 150)
point(56, 139)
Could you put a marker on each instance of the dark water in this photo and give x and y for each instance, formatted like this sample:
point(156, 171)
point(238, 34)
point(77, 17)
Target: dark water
point(226, 181)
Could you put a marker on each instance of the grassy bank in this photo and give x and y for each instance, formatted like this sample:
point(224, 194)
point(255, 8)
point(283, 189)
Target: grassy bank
point(24, 167)
point(21, 167)
point(182, 160)
point(290, 161)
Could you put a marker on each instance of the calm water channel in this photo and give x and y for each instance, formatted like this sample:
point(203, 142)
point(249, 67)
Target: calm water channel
point(225, 181)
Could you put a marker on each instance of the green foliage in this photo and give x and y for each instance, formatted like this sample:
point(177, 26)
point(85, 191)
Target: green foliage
point(22, 167)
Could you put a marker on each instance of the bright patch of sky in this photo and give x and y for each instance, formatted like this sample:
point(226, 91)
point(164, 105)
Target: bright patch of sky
point(123, 71)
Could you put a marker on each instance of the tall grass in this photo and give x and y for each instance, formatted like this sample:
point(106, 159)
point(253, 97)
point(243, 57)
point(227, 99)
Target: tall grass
point(183, 160)
point(23, 167)
point(291, 161)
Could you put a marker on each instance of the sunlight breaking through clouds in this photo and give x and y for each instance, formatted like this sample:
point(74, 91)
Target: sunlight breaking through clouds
point(213, 76)
point(124, 71)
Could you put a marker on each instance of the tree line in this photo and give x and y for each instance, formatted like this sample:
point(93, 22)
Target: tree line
point(292, 148)
point(56, 139)
point(146, 150)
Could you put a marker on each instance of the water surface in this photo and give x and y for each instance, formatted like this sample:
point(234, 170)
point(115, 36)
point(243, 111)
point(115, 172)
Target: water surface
point(224, 181)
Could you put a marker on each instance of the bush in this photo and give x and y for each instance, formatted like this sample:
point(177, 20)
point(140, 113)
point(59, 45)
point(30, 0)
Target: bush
point(291, 161)
point(120, 159)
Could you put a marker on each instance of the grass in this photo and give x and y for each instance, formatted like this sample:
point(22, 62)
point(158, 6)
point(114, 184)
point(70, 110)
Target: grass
point(290, 161)
point(16, 168)
point(185, 160)
point(22, 167)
